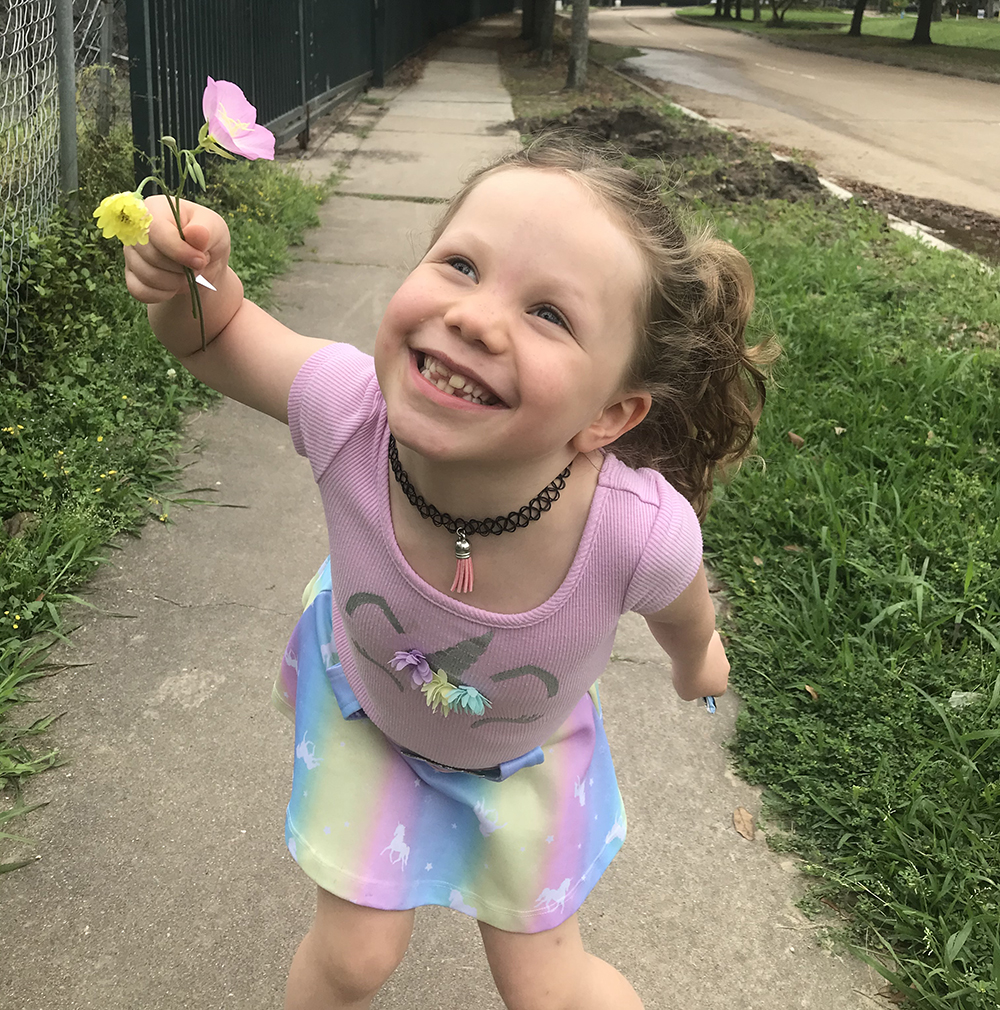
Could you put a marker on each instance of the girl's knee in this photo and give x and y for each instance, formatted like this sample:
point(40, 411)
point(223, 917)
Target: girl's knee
point(356, 949)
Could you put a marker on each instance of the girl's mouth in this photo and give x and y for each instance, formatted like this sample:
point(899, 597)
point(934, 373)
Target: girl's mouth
point(438, 374)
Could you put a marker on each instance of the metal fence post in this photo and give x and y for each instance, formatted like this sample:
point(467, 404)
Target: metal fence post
point(66, 69)
point(378, 43)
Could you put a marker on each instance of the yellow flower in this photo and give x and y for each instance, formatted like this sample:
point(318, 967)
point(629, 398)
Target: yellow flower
point(100, 438)
point(436, 691)
point(124, 216)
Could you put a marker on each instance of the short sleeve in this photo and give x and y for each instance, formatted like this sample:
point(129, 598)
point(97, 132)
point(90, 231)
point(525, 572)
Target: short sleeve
point(333, 395)
point(671, 555)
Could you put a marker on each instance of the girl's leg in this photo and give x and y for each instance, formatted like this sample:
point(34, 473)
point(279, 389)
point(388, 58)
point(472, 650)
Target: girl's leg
point(552, 971)
point(346, 956)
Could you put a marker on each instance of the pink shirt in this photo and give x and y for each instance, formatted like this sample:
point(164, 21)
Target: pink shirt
point(640, 548)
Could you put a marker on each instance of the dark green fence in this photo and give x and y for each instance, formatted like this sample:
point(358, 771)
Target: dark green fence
point(294, 59)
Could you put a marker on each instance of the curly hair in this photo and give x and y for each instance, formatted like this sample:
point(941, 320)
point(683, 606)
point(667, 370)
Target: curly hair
point(707, 387)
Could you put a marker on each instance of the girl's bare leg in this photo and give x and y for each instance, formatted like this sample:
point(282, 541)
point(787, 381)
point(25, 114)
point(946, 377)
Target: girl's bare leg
point(552, 971)
point(346, 956)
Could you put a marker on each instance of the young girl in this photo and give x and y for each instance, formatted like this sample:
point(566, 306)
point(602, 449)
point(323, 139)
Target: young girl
point(449, 741)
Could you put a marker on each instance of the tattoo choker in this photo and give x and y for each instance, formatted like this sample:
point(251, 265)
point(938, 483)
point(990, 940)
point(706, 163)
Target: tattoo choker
point(529, 513)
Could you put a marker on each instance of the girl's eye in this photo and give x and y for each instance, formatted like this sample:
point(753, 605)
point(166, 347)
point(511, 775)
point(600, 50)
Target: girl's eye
point(463, 266)
point(551, 315)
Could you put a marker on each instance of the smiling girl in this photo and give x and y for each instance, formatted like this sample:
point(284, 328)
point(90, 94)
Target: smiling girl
point(525, 459)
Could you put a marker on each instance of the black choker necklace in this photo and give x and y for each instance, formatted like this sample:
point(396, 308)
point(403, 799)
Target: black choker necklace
point(529, 513)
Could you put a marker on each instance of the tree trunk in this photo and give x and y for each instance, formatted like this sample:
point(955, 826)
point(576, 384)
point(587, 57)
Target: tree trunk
point(579, 46)
point(859, 13)
point(729, 9)
point(922, 33)
point(739, 10)
point(717, 13)
point(756, 10)
point(936, 10)
point(528, 19)
point(547, 27)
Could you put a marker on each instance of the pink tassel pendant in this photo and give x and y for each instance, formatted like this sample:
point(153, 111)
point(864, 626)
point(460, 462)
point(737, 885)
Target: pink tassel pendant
point(463, 569)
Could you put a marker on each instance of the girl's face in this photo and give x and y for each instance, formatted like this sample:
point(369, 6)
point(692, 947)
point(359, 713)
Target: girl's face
point(509, 340)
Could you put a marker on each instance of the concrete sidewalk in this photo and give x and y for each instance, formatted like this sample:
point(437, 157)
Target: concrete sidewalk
point(164, 882)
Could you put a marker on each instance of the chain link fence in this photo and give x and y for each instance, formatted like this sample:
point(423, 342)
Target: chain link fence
point(29, 123)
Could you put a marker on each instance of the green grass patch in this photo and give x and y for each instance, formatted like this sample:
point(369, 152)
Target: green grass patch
point(964, 48)
point(865, 566)
point(91, 408)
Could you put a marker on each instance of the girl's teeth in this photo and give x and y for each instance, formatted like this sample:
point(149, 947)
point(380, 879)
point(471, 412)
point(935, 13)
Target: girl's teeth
point(452, 382)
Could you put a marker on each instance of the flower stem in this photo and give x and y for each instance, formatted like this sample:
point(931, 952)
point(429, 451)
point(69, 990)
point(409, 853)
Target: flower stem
point(175, 208)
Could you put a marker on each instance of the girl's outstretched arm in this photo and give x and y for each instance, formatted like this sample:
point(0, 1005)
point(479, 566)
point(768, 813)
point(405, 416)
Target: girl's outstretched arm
point(249, 355)
point(686, 632)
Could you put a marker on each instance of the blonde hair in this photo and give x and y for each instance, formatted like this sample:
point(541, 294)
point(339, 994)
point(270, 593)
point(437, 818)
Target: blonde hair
point(707, 386)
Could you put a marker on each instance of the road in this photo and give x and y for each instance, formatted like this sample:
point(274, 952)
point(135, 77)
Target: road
point(925, 134)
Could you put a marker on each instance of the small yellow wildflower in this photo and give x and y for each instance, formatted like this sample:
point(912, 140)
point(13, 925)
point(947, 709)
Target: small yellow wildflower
point(124, 397)
point(17, 617)
point(21, 427)
point(163, 518)
point(96, 489)
point(100, 438)
point(124, 216)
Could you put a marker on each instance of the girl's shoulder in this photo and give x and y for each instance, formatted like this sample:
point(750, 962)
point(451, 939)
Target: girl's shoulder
point(654, 526)
point(333, 396)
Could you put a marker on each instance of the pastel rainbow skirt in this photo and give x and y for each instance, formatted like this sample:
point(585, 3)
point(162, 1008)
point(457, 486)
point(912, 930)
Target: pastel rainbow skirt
point(388, 830)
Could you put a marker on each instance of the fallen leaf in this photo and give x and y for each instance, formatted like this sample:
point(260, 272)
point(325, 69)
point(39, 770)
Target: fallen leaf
point(797, 440)
point(812, 692)
point(793, 548)
point(758, 561)
point(743, 822)
point(839, 431)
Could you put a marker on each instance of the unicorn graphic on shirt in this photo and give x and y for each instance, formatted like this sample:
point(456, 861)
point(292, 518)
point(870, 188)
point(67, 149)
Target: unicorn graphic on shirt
point(458, 903)
point(399, 851)
point(618, 831)
point(551, 900)
point(487, 819)
point(307, 751)
point(580, 791)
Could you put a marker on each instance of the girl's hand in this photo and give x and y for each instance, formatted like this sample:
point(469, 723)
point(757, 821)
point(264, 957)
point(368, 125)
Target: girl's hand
point(154, 272)
point(712, 678)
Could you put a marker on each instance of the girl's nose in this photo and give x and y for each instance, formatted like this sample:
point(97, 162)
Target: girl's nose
point(479, 317)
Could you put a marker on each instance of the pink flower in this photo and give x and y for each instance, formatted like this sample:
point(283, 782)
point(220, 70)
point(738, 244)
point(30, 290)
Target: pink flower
point(232, 122)
point(420, 672)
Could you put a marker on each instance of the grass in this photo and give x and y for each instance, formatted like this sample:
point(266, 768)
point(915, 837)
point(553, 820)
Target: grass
point(964, 48)
point(864, 573)
point(91, 409)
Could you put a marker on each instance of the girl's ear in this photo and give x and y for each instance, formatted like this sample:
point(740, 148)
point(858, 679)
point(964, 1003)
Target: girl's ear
point(613, 421)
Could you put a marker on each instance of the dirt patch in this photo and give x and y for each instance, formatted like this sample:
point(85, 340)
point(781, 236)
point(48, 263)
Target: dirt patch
point(968, 229)
point(700, 161)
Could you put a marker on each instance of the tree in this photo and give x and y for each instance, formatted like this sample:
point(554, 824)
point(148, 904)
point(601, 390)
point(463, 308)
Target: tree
point(922, 33)
point(859, 13)
point(528, 19)
point(756, 10)
point(579, 48)
point(546, 29)
point(779, 8)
